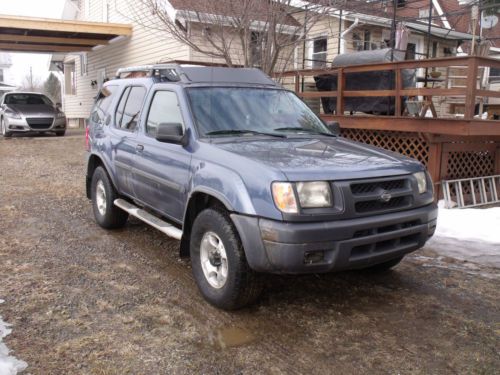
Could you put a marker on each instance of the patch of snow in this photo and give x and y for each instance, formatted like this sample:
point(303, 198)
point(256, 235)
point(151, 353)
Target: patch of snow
point(8, 365)
point(471, 234)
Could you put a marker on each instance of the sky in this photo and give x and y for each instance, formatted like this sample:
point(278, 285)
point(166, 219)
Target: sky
point(31, 8)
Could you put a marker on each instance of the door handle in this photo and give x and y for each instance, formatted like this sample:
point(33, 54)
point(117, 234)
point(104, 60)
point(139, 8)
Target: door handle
point(139, 148)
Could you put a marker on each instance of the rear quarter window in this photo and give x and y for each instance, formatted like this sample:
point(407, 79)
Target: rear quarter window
point(103, 101)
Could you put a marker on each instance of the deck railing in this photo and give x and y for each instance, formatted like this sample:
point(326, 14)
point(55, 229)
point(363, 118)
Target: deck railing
point(471, 85)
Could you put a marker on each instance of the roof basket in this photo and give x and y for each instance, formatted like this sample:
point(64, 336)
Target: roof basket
point(164, 72)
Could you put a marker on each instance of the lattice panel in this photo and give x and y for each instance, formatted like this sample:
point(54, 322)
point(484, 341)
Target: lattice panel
point(466, 164)
point(409, 144)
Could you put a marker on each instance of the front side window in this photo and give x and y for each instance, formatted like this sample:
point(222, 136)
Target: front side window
point(129, 108)
point(164, 109)
point(232, 110)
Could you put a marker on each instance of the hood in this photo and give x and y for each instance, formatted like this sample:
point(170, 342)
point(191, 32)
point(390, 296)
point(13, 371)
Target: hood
point(322, 158)
point(38, 110)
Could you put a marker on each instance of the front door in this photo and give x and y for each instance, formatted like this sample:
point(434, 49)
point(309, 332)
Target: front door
point(161, 172)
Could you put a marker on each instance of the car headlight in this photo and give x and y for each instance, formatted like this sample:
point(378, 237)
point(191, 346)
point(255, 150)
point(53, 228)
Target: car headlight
point(60, 115)
point(421, 181)
point(284, 197)
point(10, 113)
point(314, 194)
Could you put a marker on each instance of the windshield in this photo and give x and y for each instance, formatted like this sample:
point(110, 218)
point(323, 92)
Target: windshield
point(21, 99)
point(231, 111)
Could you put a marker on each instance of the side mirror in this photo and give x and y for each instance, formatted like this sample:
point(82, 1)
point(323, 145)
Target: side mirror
point(334, 127)
point(171, 132)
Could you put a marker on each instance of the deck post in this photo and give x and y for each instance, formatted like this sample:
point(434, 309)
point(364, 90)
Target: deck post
point(340, 92)
point(399, 86)
point(470, 96)
point(434, 165)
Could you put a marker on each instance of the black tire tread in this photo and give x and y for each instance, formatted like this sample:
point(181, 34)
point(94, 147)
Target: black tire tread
point(247, 283)
point(115, 217)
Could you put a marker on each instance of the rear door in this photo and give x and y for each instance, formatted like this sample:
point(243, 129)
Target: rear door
point(124, 135)
point(161, 173)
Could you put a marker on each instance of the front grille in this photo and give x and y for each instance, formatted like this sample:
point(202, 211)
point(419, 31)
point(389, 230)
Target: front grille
point(370, 187)
point(379, 196)
point(376, 205)
point(40, 123)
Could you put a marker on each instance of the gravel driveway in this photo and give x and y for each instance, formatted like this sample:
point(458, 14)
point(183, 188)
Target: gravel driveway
point(83, 300)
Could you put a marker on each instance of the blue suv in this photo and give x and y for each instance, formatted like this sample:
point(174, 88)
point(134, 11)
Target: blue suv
point(248, 178)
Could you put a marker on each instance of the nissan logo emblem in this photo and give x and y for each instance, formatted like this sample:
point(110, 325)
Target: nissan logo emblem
point(385, 196)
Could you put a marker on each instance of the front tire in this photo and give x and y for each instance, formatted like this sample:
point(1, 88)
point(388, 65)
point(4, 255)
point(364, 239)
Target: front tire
point(4, 130)
point(103, 196)
point(60, 133)
point(218, 261)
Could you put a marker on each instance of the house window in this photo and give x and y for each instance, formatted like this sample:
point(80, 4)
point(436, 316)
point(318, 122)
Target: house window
point(434, 49)
point(367, 40)
point(255, 48)
point(411, 51)
point(83, 64)
point(319, 53)
point(401, 3)
point(69, 79)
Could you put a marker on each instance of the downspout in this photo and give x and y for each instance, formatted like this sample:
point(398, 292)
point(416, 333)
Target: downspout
point(345, 32)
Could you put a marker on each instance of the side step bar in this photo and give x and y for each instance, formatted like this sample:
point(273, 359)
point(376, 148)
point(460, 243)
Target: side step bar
point(152, 220)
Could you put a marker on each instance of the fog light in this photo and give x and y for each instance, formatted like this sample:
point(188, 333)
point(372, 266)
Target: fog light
point(311, 257)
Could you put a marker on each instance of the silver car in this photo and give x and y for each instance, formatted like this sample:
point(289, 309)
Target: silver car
point(23, 112)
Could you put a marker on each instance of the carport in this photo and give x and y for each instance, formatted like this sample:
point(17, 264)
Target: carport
point(43, 35)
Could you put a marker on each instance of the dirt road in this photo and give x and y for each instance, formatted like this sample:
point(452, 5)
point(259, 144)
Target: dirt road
point(86, 301)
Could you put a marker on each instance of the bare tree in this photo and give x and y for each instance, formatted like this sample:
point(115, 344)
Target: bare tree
point(52, 87)
point(246, 33)
point(31, 83)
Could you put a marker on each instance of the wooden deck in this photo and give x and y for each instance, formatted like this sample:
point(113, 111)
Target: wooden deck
point(452, 144)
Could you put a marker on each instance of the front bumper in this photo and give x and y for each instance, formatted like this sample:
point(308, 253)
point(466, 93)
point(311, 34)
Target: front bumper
point(21, 125)
point(314, 247)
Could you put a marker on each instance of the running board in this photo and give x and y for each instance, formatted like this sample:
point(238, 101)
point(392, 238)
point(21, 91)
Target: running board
point(152, 220)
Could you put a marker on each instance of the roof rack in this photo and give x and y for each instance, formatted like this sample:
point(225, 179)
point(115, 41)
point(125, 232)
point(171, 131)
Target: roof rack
point(164, 72)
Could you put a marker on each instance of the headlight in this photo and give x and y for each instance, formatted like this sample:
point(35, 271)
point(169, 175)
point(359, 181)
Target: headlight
point(421, 181)
point(284, 197)
point(314, 194)
point(10, 113)
point(60, 115)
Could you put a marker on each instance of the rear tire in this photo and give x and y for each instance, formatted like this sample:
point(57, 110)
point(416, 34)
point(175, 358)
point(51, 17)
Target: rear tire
point(218, 261)
point(384, 267)
point(103, 196)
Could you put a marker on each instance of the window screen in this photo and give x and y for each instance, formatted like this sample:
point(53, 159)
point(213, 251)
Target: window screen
point(164, 109)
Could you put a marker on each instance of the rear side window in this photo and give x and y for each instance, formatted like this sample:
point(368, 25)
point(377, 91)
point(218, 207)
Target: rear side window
point(164, 108)
point(129, 108)
point(101, 106)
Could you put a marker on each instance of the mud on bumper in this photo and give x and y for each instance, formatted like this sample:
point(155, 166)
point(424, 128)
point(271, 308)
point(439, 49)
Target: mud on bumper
point(284, 247)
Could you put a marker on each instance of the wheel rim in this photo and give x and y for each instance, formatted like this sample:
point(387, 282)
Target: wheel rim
point(100, 197)
point(213, 260)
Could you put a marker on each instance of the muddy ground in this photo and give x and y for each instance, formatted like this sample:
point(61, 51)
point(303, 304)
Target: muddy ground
point(83, 300)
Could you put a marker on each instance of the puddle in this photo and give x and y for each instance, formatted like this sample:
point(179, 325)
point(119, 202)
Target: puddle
point(232, 337)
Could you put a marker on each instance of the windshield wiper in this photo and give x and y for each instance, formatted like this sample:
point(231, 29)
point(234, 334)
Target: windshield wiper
point(244, 131)
point(309, 131)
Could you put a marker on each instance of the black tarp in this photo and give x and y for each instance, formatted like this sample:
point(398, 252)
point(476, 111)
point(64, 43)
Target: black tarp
point(376, 80)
